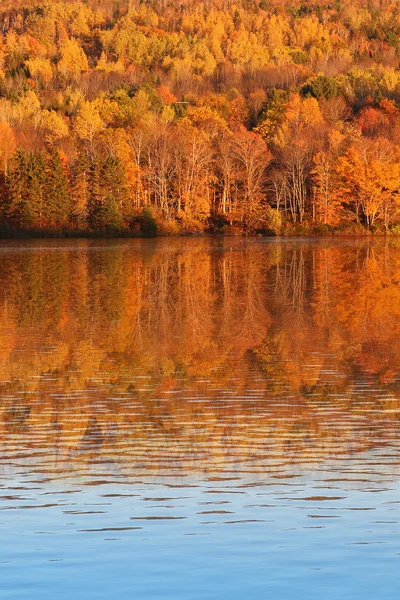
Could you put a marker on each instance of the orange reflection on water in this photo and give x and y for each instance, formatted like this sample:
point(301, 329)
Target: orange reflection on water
point(197, 355)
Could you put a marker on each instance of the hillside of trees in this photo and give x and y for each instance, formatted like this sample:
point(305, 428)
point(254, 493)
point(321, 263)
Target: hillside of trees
point(138, 118)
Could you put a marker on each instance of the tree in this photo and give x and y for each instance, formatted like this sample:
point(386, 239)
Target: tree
point(107, 194)
point(40, 70)
point(88, 123)
point(57, 190)
point(273, 116)
point(160, 167)
point(114, 188)
point(192, 157)
point(8, 145)
point(296, 162)
point(369, 180)
point(73, 60)
point(55, 126)
point(327, 202)
point(25, 187)
point(252, 157)
point(226, 175)
point(81, 190)
point(166, 98)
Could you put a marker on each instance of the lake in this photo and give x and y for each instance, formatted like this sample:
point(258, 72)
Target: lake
point(200, 418)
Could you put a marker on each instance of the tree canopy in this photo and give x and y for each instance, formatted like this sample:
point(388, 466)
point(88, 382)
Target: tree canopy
point(262, 116)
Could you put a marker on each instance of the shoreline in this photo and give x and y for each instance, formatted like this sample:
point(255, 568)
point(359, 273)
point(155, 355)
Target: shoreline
point(26, 235)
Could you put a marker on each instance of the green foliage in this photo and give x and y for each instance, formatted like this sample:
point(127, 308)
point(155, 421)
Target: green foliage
point(148, 223)
point(321, 87)
point(299, 57)
point(107, 195)
point(38, 193)
point(273, 114)
point(114, 189)
point(108, 215)
point(57, 190)
point(26, 201)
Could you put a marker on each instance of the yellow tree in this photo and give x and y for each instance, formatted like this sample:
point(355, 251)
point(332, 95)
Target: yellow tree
point(54, 125)
point(192, 159)
point(88, 122)
point(387, 181)
point(40, 70)
point(252, 157)
point(369, 180)
point(73, 60)
point(8, 145)
point(117, 142)
point(327, 203)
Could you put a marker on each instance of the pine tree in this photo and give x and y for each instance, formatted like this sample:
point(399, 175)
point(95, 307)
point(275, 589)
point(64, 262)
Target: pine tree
point(26, 202)
point(23, 190)
point(57, 195)
point(95, 196)
point(81, 191)
point(36, 175)
point(15, 205)
point(114, 183)
point(108, 215)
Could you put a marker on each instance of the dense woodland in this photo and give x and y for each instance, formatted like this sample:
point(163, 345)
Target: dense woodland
point(129, 117)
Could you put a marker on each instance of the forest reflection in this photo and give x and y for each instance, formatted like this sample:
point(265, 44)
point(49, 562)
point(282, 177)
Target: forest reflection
point(197, 355)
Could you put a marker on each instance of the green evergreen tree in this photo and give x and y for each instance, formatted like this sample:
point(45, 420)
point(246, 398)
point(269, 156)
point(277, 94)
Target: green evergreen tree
point(109, 216)
point(95, 195)
point(57, 194)
point(25, 189)
point(15, 206)
point(114, 183)
point(81, 191)
point(107, 194)
point(35, 188)
point(148, 224)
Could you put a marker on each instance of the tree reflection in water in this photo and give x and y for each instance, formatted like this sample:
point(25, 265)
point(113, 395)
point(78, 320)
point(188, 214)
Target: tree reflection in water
point(197, 355)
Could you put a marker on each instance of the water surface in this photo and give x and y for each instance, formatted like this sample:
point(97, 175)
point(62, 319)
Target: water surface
point(200, 418)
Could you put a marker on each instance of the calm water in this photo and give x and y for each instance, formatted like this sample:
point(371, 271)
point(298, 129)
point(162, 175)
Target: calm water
point(200, 419)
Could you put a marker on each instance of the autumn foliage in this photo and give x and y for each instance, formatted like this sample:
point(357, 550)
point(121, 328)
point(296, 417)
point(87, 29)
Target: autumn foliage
point(135, 117)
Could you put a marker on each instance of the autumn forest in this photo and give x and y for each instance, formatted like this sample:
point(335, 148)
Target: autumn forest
point(122, 117)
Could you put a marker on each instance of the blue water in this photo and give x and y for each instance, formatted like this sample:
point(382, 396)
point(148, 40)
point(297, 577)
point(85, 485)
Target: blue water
point(175, 540)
